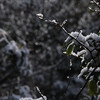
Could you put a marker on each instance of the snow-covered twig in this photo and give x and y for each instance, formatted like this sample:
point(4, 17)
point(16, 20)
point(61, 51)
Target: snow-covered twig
point(77, 39)
point(42, 96)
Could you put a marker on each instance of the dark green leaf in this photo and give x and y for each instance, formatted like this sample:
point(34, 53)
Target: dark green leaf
point(92, 85)
point(64, 45)
point(70, 48)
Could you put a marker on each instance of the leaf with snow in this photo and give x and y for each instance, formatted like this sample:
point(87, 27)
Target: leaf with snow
point(75, 34)
point(83, 71)
point(93, 36)
point(81, 53)
point(68, 40)
point(78, 36)
point(87, 56)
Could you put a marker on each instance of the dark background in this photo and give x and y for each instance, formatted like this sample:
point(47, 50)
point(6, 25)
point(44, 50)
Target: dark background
point(45, 65)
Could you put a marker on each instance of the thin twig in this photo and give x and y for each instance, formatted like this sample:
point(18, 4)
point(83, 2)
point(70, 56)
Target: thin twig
point(40, 93)
point(96, 3)
point(69, 81)
point(57, 24)
point(76, 98)
point(66, 32)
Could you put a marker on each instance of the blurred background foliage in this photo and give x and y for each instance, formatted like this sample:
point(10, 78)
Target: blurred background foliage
point(32, 55)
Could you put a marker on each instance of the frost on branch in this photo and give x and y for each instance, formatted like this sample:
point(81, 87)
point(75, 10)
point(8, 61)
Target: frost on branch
point(40, 15)
point(41, 98)
point(90, 53)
